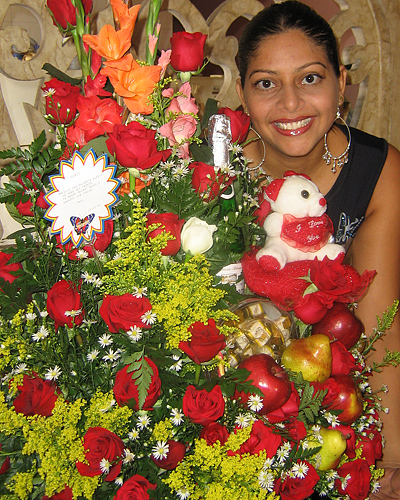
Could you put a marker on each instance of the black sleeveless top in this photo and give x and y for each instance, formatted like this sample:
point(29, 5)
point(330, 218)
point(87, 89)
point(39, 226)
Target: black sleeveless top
point(348, 199)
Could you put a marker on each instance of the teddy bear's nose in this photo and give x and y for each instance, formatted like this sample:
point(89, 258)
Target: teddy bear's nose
point(322, 202)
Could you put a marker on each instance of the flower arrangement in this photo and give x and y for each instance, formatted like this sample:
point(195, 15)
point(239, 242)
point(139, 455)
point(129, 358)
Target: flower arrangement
point(117, 330)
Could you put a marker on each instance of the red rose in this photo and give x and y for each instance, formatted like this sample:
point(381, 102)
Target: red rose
point(214, 432)
point(121, 312)
point(100, 242)
point(203, 407)
point(261, 438)
point(312, 307)
point(175, 455)
point(297, 430)
point(36, 397)
point(332, 388)
point(207, 181)
point(288, 410)
point(358, 484)
point(5, 465)
point(65, 494)
point(97, 116)
point(64, 12)
point(205, 342)
point(240, 123)
point(343, 362)
point(126, 391)
point(63, 304)
point(135, 488)
point(187, 51)
point(371, 445)
point(135, 146)
point(25, 207)
point(61, 101)
point(9, 272)
point(170, 224)
point(297, 488)
point(101, 445)
point(264, 207)
point(329, 276)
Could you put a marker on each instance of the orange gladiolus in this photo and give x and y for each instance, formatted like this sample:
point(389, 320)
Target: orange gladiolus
point(109, 43)
point(134, 83)
point(126, 18)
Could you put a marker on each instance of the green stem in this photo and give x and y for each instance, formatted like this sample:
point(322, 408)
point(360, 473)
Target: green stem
point(197, 374)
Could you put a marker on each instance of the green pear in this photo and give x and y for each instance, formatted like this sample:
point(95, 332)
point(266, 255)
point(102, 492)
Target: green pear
point(312, 356)
point(333, 447)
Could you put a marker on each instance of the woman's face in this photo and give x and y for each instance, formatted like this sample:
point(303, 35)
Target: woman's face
point(292, 93)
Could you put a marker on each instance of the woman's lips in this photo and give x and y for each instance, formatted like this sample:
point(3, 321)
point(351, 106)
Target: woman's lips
point(295, 127)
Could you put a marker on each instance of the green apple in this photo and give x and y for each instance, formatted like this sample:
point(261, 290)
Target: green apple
point(333, 447)
point(312, 356)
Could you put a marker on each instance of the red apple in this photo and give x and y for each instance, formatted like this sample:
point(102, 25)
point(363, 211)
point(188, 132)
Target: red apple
point(349, 399)
point(270, 378)
point(340, 323)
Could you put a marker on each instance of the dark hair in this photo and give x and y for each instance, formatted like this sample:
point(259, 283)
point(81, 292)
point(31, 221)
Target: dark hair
point(283, 17)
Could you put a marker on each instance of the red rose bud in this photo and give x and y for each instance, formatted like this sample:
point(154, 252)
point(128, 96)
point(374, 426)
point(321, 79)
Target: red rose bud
point(123, 312)
point(371, 446)
point(36, 397)
point(214, 432)
point(170, 224)
point(64, 304)
point(357, 482)
point(64, 13)
point(65, 494)
point(175, 455)
point(187, 51)
point(240, 123)
point(205, 343)
point(135, 146)
point(343, 363)
point(135, 488)
point(103, 453)
point(126, 391)
point(291, 487)
point(25, 208)
point(203, 407)
point(206, 181)
point(4, 465)
point(9, 272)
point(61, 101)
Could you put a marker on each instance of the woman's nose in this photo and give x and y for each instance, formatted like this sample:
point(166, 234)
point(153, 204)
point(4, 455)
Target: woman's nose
point(290, 99)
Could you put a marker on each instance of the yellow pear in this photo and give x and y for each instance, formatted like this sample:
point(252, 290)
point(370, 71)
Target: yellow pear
point(312, 356)
point(333, 447)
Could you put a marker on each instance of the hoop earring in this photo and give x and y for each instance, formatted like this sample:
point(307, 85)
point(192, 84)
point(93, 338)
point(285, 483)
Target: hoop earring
point(337, 161)
point(252, 169)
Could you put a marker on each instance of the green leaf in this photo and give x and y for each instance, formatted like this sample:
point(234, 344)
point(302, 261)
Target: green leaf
point(56, 73)
point(202, 152)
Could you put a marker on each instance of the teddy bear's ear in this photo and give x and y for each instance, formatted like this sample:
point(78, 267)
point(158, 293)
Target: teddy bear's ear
point(272, 190)
point(289, 173)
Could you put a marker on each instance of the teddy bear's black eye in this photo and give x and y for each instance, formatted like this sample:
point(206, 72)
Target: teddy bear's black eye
point(305, 194)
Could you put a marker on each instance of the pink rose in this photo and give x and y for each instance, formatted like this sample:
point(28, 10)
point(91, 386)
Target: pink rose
point(184, 103)
point(178, 131)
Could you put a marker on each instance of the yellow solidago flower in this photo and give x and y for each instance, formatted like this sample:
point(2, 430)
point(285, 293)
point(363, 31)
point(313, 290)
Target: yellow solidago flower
point(103, 411)
point(162, 430)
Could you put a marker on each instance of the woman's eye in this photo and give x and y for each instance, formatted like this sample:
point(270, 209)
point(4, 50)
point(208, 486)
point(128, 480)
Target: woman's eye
point(265, 84)
point(309, 79)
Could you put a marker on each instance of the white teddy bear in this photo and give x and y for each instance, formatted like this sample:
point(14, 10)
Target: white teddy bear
point(298, 228)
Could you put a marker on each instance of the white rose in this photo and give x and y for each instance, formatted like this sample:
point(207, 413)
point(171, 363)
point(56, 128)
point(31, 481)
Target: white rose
point(196, 236)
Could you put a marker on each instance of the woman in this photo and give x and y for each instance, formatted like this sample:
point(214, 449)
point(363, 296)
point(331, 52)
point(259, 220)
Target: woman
point(292, 86)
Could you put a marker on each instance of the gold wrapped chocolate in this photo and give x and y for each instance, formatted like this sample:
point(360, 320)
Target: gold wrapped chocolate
point(262, 328)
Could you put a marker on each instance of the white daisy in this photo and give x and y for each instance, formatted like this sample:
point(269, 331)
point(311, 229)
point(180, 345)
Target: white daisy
point(177, 366)
point(43, 314)
point(41, 334)
point(109, 406)
point(143, 421)
point(148, 318)
point(30, 316)
point(135, 333)
point(105, 340)
point(242, 420)
point(182, 493)
point(92, 355)
point(160, 450)
point(254, 402)
point(112, 356)
point(82, 254)
point(332, 419)
point(300, 470)
point(128, 456)
point(139, 292)
point(119, 481)
point(133, 434)
point(53, 373)
point(177, 416)
point(105, 466)
point(87, 277)
point(49, 92)
point(22, 367)
point(266, 480)
point(97, 282)
point(73, 313)
point(375, 486)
